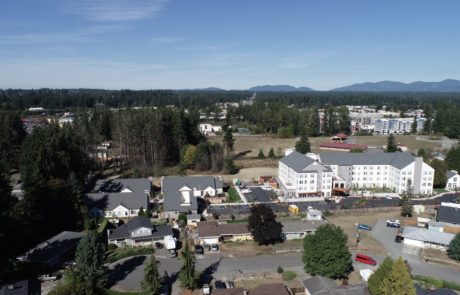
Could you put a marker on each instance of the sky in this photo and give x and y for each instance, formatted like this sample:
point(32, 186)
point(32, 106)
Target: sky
point(233, 44)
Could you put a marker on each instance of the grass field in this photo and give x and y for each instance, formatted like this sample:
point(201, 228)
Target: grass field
point(233, 196)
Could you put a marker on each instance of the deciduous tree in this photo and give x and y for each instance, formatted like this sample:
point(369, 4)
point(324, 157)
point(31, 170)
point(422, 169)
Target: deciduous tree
point(263, 225)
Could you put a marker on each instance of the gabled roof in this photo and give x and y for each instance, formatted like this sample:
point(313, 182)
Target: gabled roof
point(270, 289)
point(318, 285)
point(301, 163)
point(448, 214)
point(109, 201)
point(123, 232)
point(138, 222)
point(426, 235)
point(215, 229)
point(397, 159)
point(136, 185)
point(301, 226)
point(451, 173)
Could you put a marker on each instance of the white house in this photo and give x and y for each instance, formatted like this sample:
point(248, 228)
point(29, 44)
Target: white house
point(453, 180)
point(425, 238)
point(303, 176)
point(207, 129)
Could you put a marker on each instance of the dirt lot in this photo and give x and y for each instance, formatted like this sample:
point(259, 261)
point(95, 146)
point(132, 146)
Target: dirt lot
point(249, 248)
point(348, 223)
point(438, 256)
point(268, 278)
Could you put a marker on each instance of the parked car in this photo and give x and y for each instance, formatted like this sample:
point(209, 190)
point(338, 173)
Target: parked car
point(199, 250)
point(365, 259)
point(215, 247)
point(393, 223)
point(206, 289)
point(48, 277)
point(69, 264)
point(207, 247)
point(219, 285)
point(159, 245)
point(364, 227)
point(398, 239)
point(172, 253)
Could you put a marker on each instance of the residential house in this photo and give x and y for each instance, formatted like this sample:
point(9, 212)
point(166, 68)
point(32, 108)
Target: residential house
point(208, 129)
point(180, 193)
point(453, 180)
point(314, 214)
point(192, 220)
point(379, 170)
point(318, 285)
point(293, 230)
point(304, 176)
point(54, 251)
point(425, 238)
point(139, 231)
point(212, 232)
point(448, 213)
point(270, 289)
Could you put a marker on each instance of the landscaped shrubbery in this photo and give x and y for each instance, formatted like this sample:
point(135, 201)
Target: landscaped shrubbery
point(288, 275)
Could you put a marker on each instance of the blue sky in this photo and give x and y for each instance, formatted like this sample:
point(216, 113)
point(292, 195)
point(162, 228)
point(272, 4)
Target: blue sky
point(175, 44)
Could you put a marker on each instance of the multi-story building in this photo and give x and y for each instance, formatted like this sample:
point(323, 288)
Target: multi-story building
point(310, 175)
point(304, 176)
point(398, 125)
point(378, 170)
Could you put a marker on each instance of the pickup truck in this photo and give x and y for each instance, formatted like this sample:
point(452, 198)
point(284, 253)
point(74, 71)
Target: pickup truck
point(48, 277)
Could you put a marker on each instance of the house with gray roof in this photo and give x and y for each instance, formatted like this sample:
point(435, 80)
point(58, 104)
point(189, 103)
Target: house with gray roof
point(379, 169)
point(453, 180)
point(294, 229)
point(181, 193)
point(448, 213)
point(302, 175)
point(124, 185)
point(139, 231)
point(425, 238)
point(53, 251)
point(318, 285)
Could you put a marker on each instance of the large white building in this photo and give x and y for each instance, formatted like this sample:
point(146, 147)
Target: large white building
point(344, 171)
point(398, 125)
point(304, 176)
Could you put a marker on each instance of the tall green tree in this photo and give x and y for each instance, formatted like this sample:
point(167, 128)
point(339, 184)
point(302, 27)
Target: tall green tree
point(391, 144)
point(263, 225)
point(303, 144)
point(12, 134)
point(454, 248)
point(261, 154)
point(314, 123)
point(271, 153)
point(376, 279)
point(344, 120)
point(398, 281)
point(151, 283)
point(203, 157)
point(423, 153)
point(228, 136)
point(453, 159)
point(414, 126)
point(187, 272)
point(6, 203)
point(440, 170)
point(326, 253)
point(89, 273)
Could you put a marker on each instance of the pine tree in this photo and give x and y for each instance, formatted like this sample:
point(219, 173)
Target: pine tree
point(326, 253)
point(391, 144)
point(261, 154)
point(90, 276)
point(187, 272)
point(398, 280)
point(454, 248)
point(229, 166)
point(440, 170)
point(263, 225)
point(414, 126)
point(453, 158)
point(375, 281)
point(271, 153)
point(152, 280)
point(406, 205)
point(228, 136)
point(303, 145)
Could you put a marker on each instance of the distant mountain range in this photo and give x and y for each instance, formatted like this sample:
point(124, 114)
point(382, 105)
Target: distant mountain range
point(448, 85)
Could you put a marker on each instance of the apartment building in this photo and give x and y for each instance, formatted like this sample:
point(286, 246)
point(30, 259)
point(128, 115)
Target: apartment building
point(398, 125)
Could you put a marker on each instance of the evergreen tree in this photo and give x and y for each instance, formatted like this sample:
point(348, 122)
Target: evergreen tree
point(261, 154)
point(271, 153)
point(454, 248)
point(391, 144)
point(303, 145)
point(6, 204)
point(203, 157)
point(453, 159)
point(375, 281)
point(326, 253)
point(229, 166)
point(440, 170)
point(90, 276)
point(12, 134)
point(314, 123)
point(141, 212)
point(187, 272)
point(407, 209)
point(422, 153)
point(151, 283)
point(414, 126)
point(344, 120)
point(228, 136)
point(263, 225)
point(398, 281)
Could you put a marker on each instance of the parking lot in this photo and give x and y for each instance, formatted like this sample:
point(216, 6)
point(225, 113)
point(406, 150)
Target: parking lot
point(259, 194)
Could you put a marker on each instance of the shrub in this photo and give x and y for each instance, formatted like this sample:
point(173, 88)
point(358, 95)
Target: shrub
point(279, 269)
point(288, 275)
point(111, 247)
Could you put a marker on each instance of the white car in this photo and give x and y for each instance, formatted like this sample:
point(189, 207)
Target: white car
point(49, 277)
point(206, 289)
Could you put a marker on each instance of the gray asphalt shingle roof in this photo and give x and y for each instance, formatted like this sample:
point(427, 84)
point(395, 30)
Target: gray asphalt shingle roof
point(448, 214)
point(398, 159)
point(172, 196)
point(451, 173)
point(425, 235)
point(110, 201)
point(124, 231)
point(301, 163)
point(301, 226)
point(117, 185)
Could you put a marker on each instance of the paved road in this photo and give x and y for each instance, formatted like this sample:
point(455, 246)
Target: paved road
point(386, 237)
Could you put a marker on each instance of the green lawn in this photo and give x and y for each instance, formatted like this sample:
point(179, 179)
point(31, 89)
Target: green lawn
point(233, 196)
point(123, 252)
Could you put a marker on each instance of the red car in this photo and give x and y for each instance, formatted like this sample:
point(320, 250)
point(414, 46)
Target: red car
point(365, 259)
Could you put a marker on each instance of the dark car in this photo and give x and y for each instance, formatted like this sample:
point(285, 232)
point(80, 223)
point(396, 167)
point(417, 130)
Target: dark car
point(398, 239)
point(159, 245)
point(199, 250)
point(219, 285)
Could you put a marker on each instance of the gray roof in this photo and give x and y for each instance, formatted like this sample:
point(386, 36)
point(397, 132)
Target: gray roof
point(15, 288)
point(451, 173)
point(301, 163)
point(110, 201)
point(301, 226)
point(54, 246)
point(425, 235)
point(319, 285)
point(448, 214)
point(136, 185)
point(173, 198)
point(124, 231)
point(398, 159)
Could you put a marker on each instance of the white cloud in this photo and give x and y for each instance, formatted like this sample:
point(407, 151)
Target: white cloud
point(115, 10)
